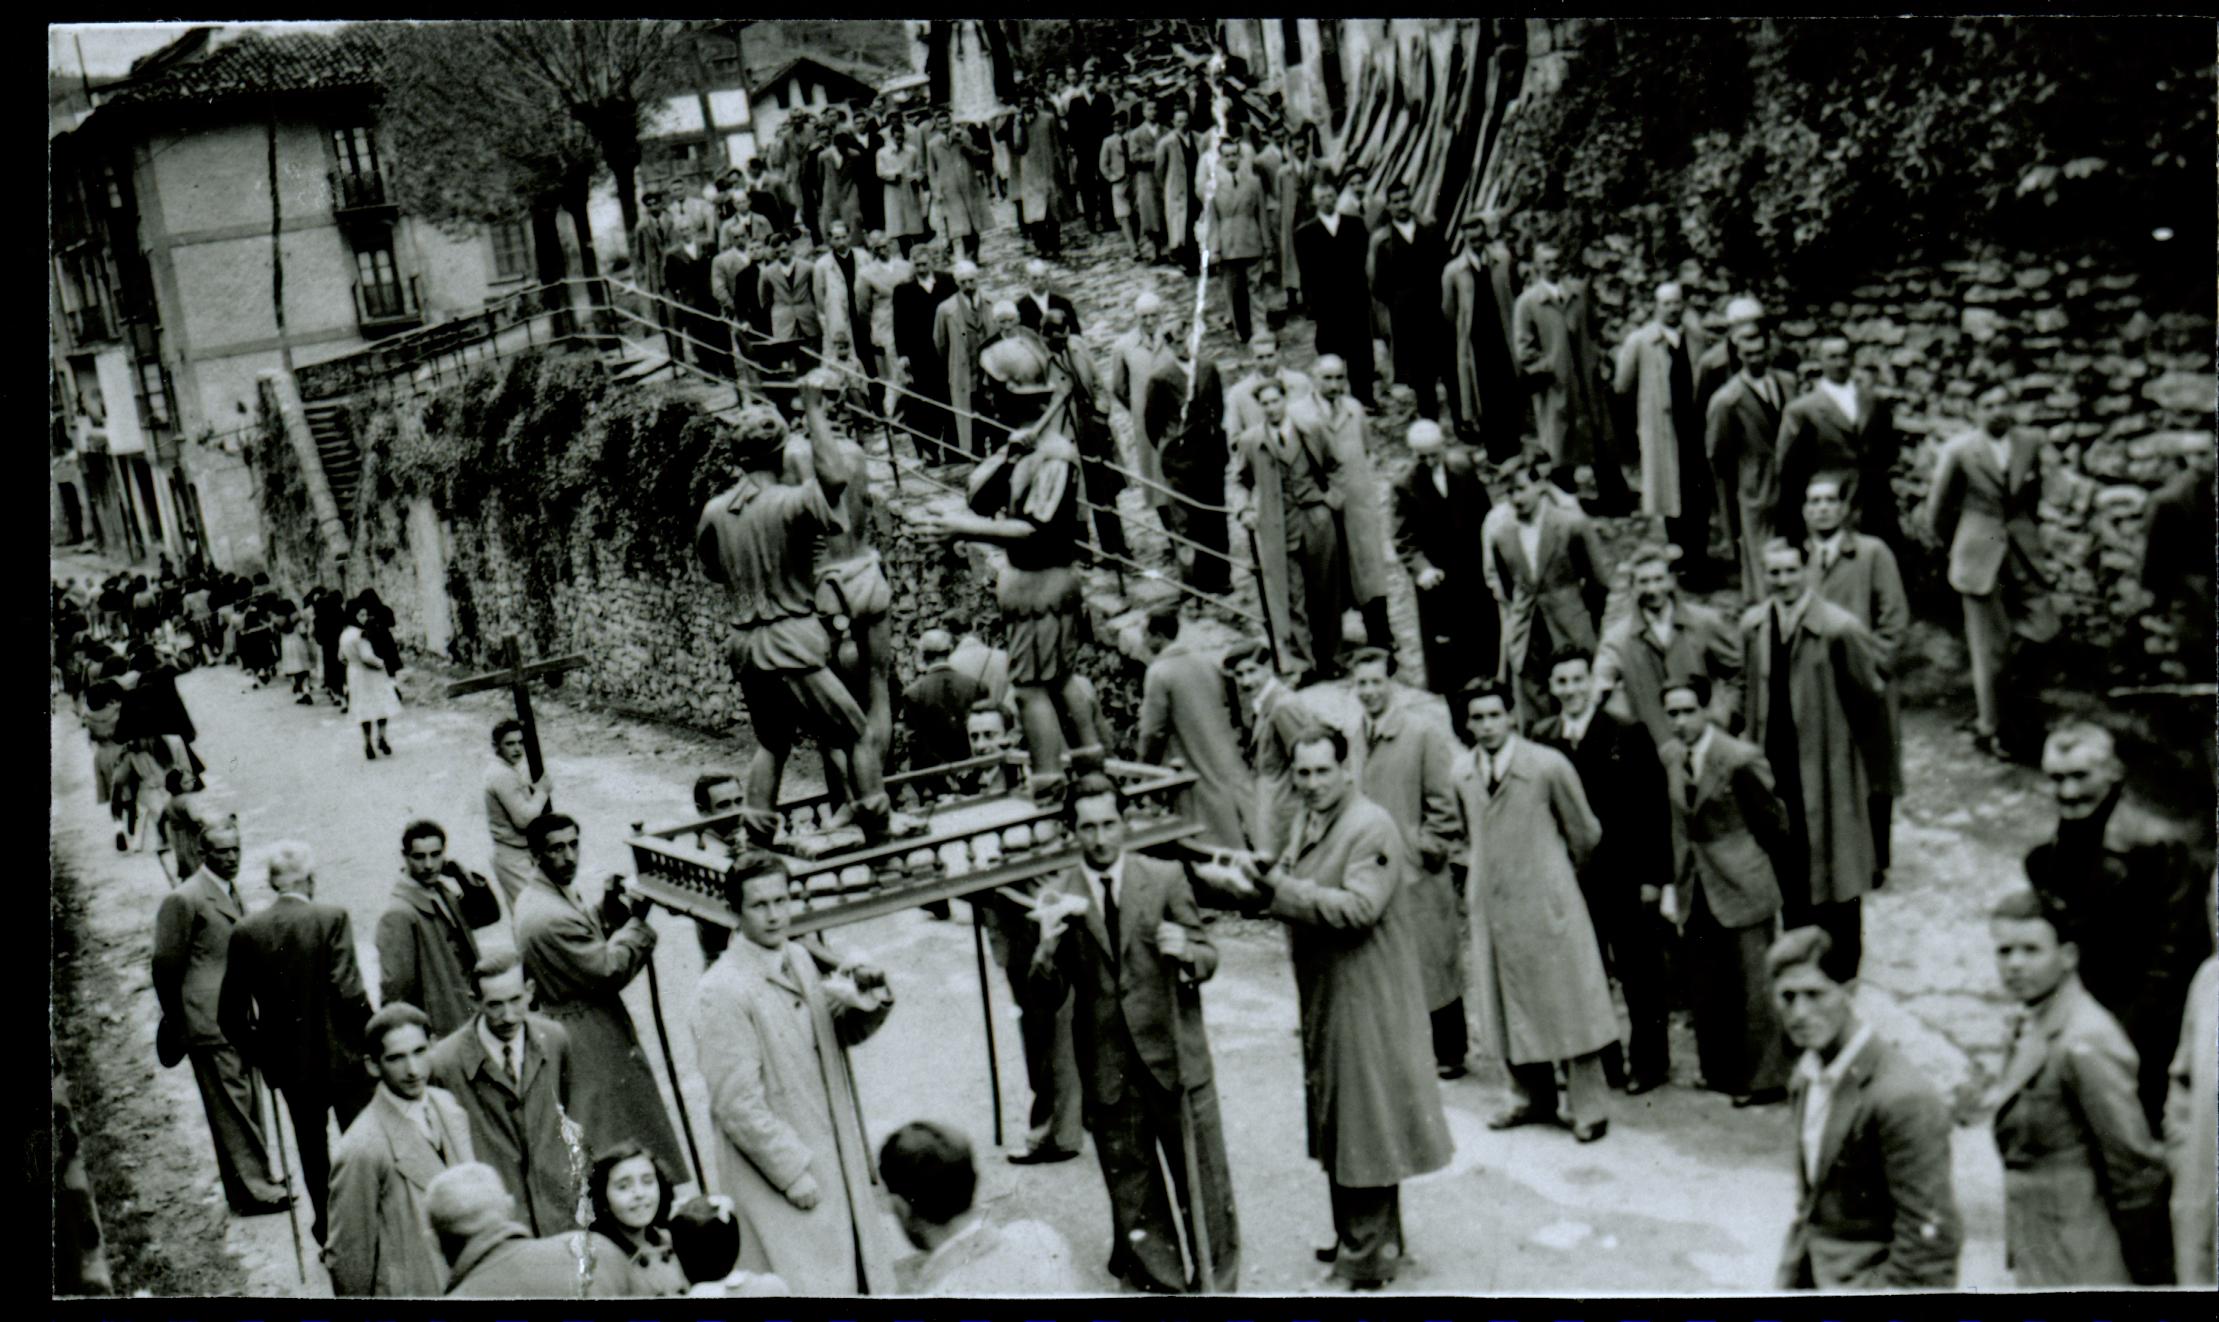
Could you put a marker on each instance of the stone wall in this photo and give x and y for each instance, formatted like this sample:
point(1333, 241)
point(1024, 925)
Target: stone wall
point(2121, 395)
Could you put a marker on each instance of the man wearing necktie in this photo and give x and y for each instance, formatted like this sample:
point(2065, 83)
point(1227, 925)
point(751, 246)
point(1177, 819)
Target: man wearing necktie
point(1741, 434)
point(1815, 704)
point(426, 948)
point(1656, 365)
point(1437, 503)
point(293, 1005)
point(510, 1070)
point(1857, 572)
point(580, 970)
point(192, 941)
point(381, 1243)
point(1728, 832)
point(1840, 425)
point(1144, 1059)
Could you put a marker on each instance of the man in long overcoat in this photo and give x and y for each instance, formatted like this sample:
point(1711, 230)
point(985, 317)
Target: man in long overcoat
point(1038, 153)
point(1545, 568)
point(1331, 249)
point(1668, 635)
point(958, 333)
point(1479, 287)
point(900, 168)
point(1857, 572)
point(957, 194)
point(1371, 1099)
point(1656, 365)
point(1557, 357)
point(1135, 359)
point(1816, 707)
point(1183, 718)
point(1537, 968)
point(1840, 425)
point(1741, 430)
point(1175, 157)
point(1337, 421)
point(1438, 502)
point(580, 969)
point(510, 1071)
point(426, 949)
point(1146, 184)
point(1404, 267)
point(771, 1026)
point(1144, 1059)
point(1301, 583)
point(917, 303)
point(1407, 760)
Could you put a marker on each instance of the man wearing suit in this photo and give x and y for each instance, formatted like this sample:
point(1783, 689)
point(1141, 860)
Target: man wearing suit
point(1545, 568)
point(1625, 875)
point(2137, 893)
point(1183, 718)
point(1288, 474)
point(1185, 412)
point(1741, 430)
point(788, 289)
point(1332, 249)
point(958, 333)
point(1557, 358)
point(1337, 424)
point(1438, 501)
point(425, 946)
point(1816, 707)
point(1404, 268)
point(192, 938)
point(1656, 365)
point(292, 1004)
point(1071, 370)
point(1236, 220)
point(935, 707)
point(510, 1071)
point(833, 287)
point(1134, 360)
point(1406, 770)
point(916, 300)
point(1667, 635)
point(1875, 1210)
point(1728, 832)
point(1840, 425)
point(1276, 719)
point(1242, 409)
point(2083, 1178)
point(1135, 982)
point(381, 1239)
point(1857, 572)
point(1982, 504)
point(1040, 299)
point(1371, 1100)
point(580, 967)
point(1479, 287)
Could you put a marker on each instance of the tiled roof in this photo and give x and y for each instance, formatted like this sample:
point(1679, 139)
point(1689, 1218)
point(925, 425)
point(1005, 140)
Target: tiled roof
point(259, 63)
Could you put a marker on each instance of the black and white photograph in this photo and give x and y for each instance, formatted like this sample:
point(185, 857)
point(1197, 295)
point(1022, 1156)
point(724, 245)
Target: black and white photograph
point(833, 657)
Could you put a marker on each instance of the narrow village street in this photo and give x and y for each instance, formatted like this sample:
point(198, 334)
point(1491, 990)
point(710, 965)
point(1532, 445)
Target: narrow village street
point(1513, 1214)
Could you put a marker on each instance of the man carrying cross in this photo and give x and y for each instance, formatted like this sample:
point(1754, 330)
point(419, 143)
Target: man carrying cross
point(760, 538)
point(517, 786)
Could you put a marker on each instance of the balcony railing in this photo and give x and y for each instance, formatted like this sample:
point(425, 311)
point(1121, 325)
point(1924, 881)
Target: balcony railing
point(383, 307)
point(90, 324)
point(359, 191)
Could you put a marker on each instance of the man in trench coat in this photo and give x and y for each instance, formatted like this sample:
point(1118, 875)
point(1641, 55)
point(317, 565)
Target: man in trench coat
point(510, 1072)
point(580, 969)
point(958, 197)
point(1537, 968)
point(1407, 760)
point(1546, 570)
point(1144, 1059)
point(1857, 572)
point(1479, 287)
point(1741, 429)
point(1656, 365)
point(426, 949)
point(1336, 423)
point(771, 1028)
point(1557, 358)
point(1301, 585)
point(1371, 1099)
point(1183, 719)
point(958, 333)
point(1135, 359)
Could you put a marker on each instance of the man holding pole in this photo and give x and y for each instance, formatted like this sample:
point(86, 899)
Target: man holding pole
point(1143, 1056)
point(772, 1023)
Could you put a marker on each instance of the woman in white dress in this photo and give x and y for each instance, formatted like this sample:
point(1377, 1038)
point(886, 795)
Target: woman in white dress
point(371, 698)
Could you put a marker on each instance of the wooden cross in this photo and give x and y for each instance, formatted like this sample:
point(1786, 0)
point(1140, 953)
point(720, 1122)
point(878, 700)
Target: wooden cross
point(517, 680)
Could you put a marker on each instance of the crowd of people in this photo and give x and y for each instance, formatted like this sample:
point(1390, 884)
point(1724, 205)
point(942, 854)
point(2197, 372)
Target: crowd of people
point(1683, 809)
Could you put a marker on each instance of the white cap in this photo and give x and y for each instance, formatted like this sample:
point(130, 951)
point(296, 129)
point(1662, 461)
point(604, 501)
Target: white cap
point(1424, 430)
point(1147, 304)
point(1036, 268)
point(1005, 308)
point(1739, 310)
point(965, 268)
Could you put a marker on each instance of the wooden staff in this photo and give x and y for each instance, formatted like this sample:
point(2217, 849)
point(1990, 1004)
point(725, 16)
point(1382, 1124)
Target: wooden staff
point(986, 1007)
point(670, 1062)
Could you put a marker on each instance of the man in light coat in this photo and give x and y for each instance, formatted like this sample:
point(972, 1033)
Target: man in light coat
point(292, 1004)
point(1983, 505)
point(381, 1243)
point(1236, 220)
point(2189, 1102)
point(512, 800)
point(510, 1072)
point(2083, 1179)
point(1656, 365)
point(1144, 1060)
point(192, 939)
point(1857, 572)
point(1557, 357)
point(1816, 706)
point(1175, 156)
point(1741, 430)
point(580, 967)
point(1336, 423)
point(1544, 999)
point(1286, 473)
point(834, 286)
point(1668, 635)
point(1135, 359)
point(932, 1181)
point(1545, 568)
point(958, 333)
point(1183, 718)
point(1479, 287)
point(772, 1022)
point(1371, 1099)
point(1872, 1144)
point(958, 198)
point(1407, 760)
point(426, 946)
